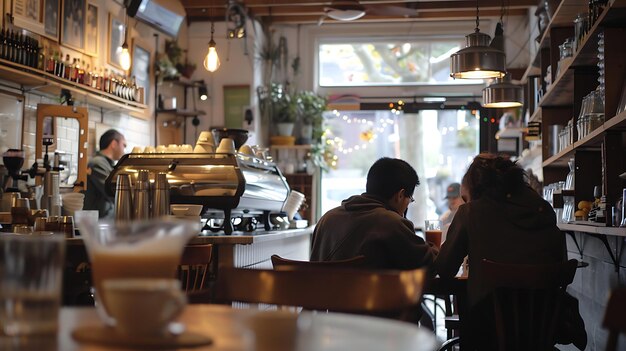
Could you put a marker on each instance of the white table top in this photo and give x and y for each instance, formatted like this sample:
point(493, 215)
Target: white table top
point(249, 329)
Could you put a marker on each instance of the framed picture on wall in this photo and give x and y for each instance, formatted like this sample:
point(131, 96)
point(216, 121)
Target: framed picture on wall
point(51, 19)
point(115, 40)
point(141, 68)
point(27, 15)
point(73, 24)
point(91, 30)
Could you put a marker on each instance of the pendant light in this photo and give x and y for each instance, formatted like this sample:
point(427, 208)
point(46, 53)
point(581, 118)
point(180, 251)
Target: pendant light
point(125, 54)
point(502, 94)
point(212, 61)
point(477, 60)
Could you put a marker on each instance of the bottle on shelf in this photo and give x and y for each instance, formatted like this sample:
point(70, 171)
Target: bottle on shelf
point(88, 75)
point(106, 83)
point(69, 67)
point(50, 65)
point(99, 80)
point(3, 44)
point(58, 69)
point(18, 48)
point(80, 72)
point(41, 59)
point(11, 51)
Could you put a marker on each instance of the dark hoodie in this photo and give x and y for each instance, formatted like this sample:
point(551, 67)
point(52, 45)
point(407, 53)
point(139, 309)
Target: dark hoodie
point(517, 229)
point(362, 225)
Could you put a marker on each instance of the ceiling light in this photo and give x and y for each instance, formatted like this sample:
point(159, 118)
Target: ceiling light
point(345, 15)
point(502, 94)
point(203, 91)
point(478, 60)
point(212, 61)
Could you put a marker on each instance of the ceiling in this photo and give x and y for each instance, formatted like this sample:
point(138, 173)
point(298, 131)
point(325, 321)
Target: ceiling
point(311, 11)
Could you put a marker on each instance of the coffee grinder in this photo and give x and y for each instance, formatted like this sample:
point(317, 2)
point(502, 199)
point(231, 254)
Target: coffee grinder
point(13, 161)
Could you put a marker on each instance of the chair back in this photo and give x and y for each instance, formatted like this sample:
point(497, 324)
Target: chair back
point(355, 262)
point(194, 267)
point(383, 293)
point(614, 319)
point(526, 300)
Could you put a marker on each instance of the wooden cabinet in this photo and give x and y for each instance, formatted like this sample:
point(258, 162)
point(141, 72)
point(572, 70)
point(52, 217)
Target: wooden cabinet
point(294, 162)
point(600, 156)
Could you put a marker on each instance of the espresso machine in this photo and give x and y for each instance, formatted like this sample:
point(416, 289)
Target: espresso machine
point(231, 187)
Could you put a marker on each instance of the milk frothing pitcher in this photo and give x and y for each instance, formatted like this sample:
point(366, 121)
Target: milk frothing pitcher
point(161, 197)
point(123, 198)
point(142, 195)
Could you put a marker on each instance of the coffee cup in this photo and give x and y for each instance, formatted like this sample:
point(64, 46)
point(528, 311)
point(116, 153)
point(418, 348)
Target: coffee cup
point(144, 306)
point(137, 150)
point(206, 137)
point(203, 148)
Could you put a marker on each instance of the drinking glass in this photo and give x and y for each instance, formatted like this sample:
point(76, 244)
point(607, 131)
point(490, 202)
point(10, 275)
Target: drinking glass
point(432, 231)
point(133, 249)
point(31, 267)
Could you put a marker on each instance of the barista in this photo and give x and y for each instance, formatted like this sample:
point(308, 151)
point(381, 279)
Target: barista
point(112, 145)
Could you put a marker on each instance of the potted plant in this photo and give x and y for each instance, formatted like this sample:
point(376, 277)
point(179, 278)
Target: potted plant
point(284, 109)
point(311, 106)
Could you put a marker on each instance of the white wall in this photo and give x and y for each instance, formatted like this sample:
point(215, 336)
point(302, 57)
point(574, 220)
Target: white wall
point(237, 68)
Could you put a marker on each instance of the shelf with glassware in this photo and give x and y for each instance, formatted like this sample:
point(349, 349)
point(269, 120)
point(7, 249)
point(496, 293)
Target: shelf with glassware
point(28, 78)
point(594, 133)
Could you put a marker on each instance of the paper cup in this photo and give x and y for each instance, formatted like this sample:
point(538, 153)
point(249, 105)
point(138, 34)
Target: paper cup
point(293, 203)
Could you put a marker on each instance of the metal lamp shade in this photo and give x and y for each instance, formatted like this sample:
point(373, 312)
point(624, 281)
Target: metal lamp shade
point(477, 60)
point(502, 94)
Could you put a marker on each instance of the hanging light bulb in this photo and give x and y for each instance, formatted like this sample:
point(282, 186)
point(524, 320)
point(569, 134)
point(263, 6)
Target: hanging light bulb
point(212, 61)
point(478, 60)
point(502, 94)
point(125, 54)
point(125, 57)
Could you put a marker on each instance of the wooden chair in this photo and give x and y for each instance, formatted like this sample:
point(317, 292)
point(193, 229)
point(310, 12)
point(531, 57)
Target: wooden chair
point(525, 302)
point(392, 294)
point(354, 262)
point(194, 267)
point(614, 319)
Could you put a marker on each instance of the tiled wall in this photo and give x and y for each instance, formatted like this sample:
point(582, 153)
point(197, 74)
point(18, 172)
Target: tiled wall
point(136, 131)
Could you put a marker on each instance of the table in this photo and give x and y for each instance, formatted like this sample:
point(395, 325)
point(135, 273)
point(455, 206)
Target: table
point(251, 329)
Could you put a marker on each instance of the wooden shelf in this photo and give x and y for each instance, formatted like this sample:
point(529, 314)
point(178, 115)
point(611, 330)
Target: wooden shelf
point(560, 159)
point(617, 122)
point(536, 116)
point(561, 91)
point(29, 79)
point(183, 113)
point(592, 139)
point(594, 228)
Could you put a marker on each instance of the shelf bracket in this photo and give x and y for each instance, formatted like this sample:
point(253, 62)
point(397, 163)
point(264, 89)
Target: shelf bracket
point(580, 250)
point(581, 263)
point(605, 241)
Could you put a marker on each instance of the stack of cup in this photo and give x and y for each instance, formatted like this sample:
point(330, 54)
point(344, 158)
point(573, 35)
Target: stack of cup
point(72, 202)
point(227, 146)
point(205, 143)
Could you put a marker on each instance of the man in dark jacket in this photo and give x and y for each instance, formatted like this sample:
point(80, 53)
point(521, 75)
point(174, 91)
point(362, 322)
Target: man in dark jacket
point(112, 145)
point(373, 224)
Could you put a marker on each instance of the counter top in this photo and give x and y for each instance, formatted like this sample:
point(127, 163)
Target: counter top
point(236, 238)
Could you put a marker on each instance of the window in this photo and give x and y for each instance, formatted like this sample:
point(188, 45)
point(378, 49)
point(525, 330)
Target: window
point(387, 62)
point(439, 144)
